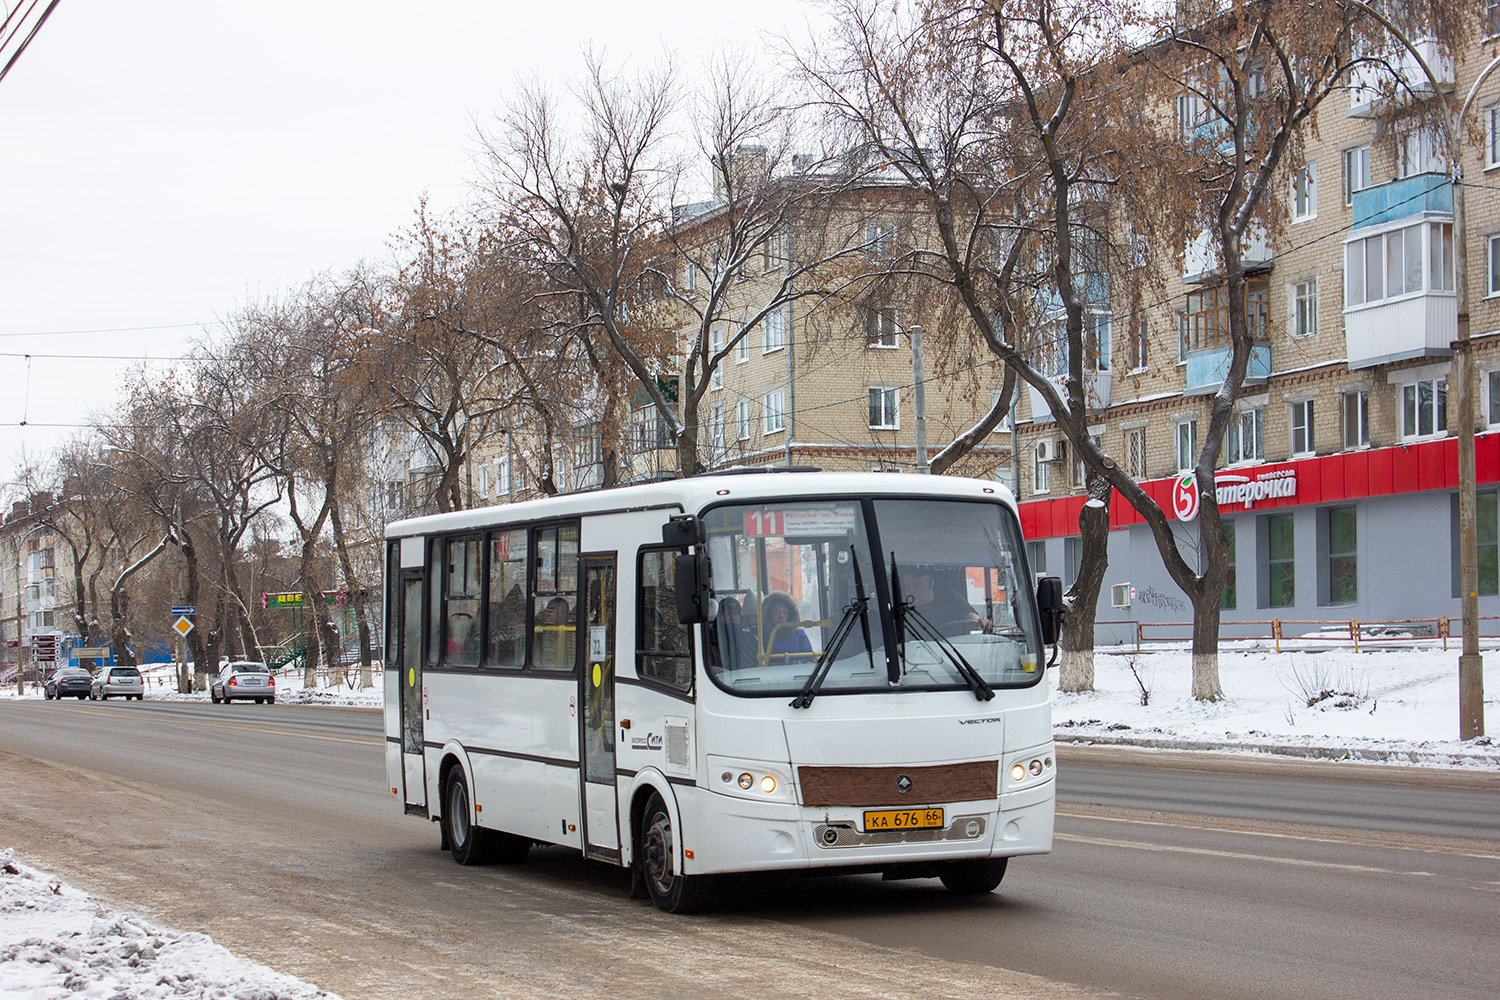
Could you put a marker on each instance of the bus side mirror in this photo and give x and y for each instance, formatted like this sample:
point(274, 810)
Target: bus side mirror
point(682, 530)
point(693, 577)
point(1049, 602)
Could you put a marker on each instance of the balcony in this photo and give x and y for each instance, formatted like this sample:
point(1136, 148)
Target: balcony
point(1399, 299)
point(1366, 83)
point(1096, 386)
point(1410, 196)
point(1207, 368)
point(1201, 263)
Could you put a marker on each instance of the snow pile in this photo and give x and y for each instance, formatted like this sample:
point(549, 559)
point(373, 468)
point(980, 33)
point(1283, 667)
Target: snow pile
point(1390, 706)
point(58, 942)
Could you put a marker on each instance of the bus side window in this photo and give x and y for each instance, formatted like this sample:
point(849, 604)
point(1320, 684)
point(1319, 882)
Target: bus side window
point(664, 651)
point(554, 597)
point(461, 619)
point(507, 599)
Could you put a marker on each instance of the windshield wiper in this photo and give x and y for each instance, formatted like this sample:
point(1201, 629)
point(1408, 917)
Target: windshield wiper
point(859, 607)
point(898, 615)
point(920, 625)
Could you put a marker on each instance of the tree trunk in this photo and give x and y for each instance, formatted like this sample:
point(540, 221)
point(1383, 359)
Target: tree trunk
point(1076, 654)
point(1206, 644)
point(357, 594)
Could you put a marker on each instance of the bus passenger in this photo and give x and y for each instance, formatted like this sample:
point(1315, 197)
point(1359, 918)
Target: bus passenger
point(781, 637)
point(736, 646)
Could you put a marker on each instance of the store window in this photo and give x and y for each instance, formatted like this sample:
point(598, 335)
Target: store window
point(1278, 557)
point(1340, 542)
point(1487, 525)
point(1229, 600)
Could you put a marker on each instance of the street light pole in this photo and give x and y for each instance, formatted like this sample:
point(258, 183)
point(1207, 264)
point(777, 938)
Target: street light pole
point(919, 392)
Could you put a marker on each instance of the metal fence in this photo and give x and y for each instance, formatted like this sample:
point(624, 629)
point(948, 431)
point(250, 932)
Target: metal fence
point(1304, 633)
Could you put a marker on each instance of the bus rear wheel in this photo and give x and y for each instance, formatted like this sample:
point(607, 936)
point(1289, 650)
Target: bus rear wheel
point(973, 877)
point(670, 889)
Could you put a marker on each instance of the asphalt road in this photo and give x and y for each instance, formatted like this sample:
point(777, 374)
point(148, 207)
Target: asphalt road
point(1174, 876)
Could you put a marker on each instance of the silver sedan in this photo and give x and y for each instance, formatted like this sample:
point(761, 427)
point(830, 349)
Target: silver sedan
point(243, 680)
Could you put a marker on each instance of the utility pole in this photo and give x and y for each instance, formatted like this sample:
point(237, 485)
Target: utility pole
point(1470, 662)
point(919, 392)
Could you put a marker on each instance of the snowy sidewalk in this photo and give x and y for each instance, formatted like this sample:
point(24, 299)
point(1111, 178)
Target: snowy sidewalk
point(58, 942)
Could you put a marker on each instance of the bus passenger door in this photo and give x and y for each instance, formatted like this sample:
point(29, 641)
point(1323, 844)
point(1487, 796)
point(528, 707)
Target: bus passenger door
point(413, 759)
point(601, 829)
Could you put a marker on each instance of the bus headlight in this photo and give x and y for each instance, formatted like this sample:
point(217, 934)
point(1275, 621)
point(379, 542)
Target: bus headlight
point(746, 781)
point(1018, 772)
point(768, 784)
point(751, 779)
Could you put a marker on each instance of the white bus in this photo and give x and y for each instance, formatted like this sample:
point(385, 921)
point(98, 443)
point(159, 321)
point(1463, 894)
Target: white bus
point(729, 673)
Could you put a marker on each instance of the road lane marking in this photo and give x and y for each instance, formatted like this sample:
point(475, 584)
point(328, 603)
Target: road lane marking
point(1353, 831)
point(241, 726)
point(1231, 855)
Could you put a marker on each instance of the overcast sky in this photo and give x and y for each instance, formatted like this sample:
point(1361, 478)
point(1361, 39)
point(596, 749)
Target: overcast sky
point(169, 161)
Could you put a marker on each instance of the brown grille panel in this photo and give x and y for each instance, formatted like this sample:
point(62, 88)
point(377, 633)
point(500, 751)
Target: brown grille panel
point(876, 786)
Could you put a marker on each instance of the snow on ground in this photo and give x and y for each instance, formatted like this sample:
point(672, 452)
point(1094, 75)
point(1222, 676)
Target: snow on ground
point(1389, 706)
point(58, 942)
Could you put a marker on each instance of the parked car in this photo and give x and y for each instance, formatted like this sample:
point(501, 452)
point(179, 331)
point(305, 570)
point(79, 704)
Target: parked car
point(67, 682)
point(244, 680)
point(117, 682)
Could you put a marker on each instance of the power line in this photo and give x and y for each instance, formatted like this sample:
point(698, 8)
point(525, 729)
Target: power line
point(110, 329)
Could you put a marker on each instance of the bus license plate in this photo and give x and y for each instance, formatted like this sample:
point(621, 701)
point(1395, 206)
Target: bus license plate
point(903, 819)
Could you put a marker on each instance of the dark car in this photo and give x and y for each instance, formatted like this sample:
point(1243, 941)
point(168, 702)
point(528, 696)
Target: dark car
point(68, 682)
point(244, 680)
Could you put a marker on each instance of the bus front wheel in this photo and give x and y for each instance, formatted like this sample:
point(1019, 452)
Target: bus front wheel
point(670, 889)
point(973, 877)
point(467, 842)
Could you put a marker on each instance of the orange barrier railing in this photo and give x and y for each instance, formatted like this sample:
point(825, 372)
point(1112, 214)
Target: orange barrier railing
point(1442, 629)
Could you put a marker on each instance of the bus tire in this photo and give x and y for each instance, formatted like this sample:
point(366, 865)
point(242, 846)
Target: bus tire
point(670, 890)
point(973, 877)
point(469, 844)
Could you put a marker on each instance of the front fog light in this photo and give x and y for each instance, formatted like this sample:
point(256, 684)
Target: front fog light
point(768, 784)
point(1036, 767)
point(1018, 772)
point(746, 781)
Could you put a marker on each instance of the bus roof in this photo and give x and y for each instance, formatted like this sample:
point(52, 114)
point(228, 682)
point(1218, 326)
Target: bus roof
point(693, 494)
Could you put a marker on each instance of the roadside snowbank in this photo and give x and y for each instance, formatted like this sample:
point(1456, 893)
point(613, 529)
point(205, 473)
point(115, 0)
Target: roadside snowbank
point(58, 942)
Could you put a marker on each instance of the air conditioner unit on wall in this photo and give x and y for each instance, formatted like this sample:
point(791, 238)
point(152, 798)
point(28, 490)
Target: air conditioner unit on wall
point(1045, 451)
point(1119, 595)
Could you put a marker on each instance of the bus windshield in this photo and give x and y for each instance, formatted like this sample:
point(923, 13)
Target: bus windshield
point(791, 579)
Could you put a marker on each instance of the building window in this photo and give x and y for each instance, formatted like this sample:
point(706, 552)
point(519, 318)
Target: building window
point(1391, 264)
point(742, 345)
point(773, 411)
point(1492, 383)
point(1139, 346)
point(1281, 570)
point(881, 326)
point(1421, 153)
point(1305, 193)
point(1229, 600)
point(1246, 441)
point(716, 432)
point(1077, 467)
point(880, 238)
point(1191, 113)
point(1135, 453)
point(1424, 408)
point(776, 326)
point(1183, 336)
point(1096, 340)
point(1072, 560)
point(1207, 319)
point(1355, 407)
point(743, 418)
point(716, 348)
point(1305, 308)
point(776, 255)
point(484, 481)
point(1036, 555)
point(690, 277)
point(1356, 172)
point(1041, 469)
point(1493, 285)
point(1302, 428)
point(1187, 445)
point(1341, 539)
point(1492, 123)
point(885, 413)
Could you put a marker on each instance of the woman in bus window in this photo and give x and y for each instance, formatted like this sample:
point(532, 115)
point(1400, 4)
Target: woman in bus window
point(781, 636)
